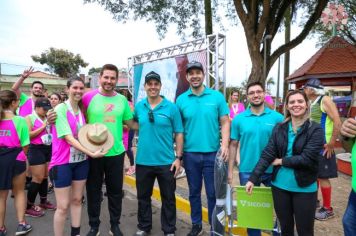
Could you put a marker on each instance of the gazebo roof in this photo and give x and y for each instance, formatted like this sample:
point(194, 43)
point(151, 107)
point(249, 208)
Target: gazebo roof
point(336, 59)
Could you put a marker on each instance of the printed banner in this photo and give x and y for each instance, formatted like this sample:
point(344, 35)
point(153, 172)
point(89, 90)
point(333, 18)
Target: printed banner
point(172, 73)
point(256, 210)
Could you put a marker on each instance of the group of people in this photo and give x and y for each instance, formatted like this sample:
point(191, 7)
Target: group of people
point(80, 144)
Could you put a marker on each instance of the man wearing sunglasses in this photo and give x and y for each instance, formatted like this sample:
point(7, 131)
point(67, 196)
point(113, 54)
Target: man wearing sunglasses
point(205, 115)
point(160, 127)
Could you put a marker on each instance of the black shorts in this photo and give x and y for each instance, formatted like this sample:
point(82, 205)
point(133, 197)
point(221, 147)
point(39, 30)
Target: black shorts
point(7, 166)
point(327, 167)
point(20, 167)
point(39, 154)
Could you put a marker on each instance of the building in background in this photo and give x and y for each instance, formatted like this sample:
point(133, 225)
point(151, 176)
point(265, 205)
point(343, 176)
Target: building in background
point(52, 83)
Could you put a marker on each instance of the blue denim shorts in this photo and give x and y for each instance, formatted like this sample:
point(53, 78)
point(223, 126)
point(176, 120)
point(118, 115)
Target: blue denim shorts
point(63, 175)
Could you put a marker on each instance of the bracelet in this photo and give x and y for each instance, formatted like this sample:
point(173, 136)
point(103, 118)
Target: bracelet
point(179, 157)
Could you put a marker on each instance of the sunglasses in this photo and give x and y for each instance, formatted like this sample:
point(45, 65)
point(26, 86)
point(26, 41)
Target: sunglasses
point(151, 118)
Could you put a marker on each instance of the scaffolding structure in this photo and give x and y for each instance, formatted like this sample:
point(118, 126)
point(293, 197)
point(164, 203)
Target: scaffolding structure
point(215, 47)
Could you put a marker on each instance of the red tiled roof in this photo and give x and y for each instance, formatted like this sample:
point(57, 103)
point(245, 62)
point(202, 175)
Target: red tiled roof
point(337, 56)
point(41, 74)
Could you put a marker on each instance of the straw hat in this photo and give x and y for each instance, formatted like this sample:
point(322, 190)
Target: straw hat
point(96, 137)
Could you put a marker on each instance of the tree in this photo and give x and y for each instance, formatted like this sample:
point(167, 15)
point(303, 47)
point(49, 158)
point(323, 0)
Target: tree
point(94, 70)
point(259, 18)
point(348, 32)
point(270, 82)
point(60, 61)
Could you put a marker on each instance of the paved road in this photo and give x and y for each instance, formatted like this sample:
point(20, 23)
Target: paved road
point(44, 225)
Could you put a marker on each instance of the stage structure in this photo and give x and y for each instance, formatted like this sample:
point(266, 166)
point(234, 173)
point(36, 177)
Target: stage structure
point(170, 63)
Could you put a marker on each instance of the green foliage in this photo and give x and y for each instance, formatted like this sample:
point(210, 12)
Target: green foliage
point(94, 70)
point(60, 61)
point(258, 18)
point(187, 15)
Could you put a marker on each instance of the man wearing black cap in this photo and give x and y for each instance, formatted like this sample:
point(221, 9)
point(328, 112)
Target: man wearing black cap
point(324, 112)
point(203, 112)
point(160, 126)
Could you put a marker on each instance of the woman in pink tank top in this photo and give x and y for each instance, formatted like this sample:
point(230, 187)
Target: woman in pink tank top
point(14, 140)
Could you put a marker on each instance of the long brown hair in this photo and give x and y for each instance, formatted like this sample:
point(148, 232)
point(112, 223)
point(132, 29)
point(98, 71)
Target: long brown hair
point(231, 93)
point(6, 98)
point(287, 115)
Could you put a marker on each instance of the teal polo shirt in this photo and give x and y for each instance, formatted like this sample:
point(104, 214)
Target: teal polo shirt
point(156, 139)
point(253, 133)
point(285, 178)
point(201, 119)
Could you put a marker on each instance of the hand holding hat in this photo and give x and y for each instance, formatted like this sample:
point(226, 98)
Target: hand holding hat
point(96, 138)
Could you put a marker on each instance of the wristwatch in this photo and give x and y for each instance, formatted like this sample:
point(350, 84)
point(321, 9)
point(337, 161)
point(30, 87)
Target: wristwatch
point(179, 157)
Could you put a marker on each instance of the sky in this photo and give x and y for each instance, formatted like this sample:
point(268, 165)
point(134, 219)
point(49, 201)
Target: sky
point(29, 27)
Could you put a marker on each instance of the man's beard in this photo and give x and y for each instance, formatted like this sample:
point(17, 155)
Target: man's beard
point(37, 95)
point(256, 105)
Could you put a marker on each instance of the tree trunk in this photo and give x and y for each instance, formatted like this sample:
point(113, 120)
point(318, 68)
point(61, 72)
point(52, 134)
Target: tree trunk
point(208, 17)
point(287, 24)
point(256, 74)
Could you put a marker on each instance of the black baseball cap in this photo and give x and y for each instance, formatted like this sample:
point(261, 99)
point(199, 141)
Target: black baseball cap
point(313, 83)
point(43, 102)
point(194, 65)
point(152, 75)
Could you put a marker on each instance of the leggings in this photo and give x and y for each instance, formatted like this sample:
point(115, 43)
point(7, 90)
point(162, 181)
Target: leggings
point(295, 205)
point(129, 147)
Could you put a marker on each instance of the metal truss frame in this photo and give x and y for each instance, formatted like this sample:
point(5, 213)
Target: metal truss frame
point(215, 47)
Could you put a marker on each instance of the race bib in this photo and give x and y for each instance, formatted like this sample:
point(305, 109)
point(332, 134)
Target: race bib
point(46, 139)
point(76, 155)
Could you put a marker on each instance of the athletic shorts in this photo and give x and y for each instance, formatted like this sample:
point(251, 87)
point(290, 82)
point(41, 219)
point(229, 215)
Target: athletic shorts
point(327, 167)
point(20, 167)
point(7, 166)
point(39, 154)
point(63, 175)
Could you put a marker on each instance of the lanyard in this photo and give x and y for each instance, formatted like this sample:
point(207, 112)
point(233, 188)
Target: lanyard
point(48, 127)
point(70, 109)
point(235, 107)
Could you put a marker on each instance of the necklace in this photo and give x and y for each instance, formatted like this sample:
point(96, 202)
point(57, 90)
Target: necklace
point(8, 111)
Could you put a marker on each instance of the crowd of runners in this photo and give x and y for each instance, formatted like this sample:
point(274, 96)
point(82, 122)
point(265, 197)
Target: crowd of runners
point(67, 145)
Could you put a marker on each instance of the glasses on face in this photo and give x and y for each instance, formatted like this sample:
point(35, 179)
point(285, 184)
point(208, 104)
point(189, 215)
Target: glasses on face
point(151, 118)
point(258, 92)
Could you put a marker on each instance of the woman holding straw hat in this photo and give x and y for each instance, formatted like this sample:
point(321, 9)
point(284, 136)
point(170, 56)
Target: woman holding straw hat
point(69, 165)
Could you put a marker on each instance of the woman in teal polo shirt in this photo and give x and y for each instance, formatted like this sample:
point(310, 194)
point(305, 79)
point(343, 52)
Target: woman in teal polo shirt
point(293, 150)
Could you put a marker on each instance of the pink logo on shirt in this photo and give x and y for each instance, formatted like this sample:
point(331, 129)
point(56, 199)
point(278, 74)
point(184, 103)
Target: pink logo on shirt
point(109, 107)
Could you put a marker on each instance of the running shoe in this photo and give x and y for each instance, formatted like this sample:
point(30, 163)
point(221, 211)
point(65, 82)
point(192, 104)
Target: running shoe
point(141, 233)
point(115, 231)
point(196, 230)
point(324, 213)
point(34, 211)
point(93, 232)
point(3, 231)
point(23, 229)
point(48, 206)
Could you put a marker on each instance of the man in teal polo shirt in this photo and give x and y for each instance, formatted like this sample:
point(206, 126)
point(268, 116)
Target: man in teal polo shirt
point(160, 125)
point(251, 130)
point(203, 112)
